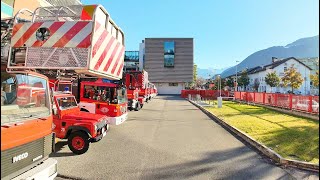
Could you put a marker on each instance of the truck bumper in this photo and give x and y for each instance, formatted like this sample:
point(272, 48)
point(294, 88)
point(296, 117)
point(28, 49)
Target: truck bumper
point(98, 138)
point(132, 103)
point(118, 120)
point(47, 170)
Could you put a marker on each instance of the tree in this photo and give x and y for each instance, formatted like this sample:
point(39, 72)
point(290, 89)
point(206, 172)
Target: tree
point(216, 83)
point(200, 81)
point(292, 78)
point(256, 84)
point(244, 79)
point(272, 80)
point(315, 79)
point(230, 82)
point(195, 73)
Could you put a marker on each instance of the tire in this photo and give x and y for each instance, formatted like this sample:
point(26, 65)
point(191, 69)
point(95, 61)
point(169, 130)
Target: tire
point(137, 108)
point(141, 105)
point(78, 142)
point(130, 108)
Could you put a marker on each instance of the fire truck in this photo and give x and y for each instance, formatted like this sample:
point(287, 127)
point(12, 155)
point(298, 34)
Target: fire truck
point(138, 80)
point(26, 118)
point(80, 128)
point(153, 90)
point(133, 92)
point(77, 43)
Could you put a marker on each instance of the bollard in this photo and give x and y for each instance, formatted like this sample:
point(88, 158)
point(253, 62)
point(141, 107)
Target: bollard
point(219, 102)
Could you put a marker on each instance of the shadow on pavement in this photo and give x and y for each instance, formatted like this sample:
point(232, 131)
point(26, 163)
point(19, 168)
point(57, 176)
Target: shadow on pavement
point(58, 147)
point(170, 97)
point(215, 162)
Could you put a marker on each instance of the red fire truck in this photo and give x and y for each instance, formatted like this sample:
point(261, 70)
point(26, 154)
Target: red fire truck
point(80, 128)
point(139, 80)
point(153, 90)
point(26, 118)
point(77, 42)
point(98, 96)
point(133, 92)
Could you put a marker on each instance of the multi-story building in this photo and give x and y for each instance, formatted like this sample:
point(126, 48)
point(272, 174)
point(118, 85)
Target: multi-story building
point(279, 66)
point(169, 63)
point(313, 63)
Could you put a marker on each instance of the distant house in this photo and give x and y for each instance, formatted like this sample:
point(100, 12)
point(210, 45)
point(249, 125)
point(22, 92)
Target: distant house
point(279, 66)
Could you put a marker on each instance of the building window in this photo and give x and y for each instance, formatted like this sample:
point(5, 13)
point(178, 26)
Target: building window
point(168, 54)
point(173, 84)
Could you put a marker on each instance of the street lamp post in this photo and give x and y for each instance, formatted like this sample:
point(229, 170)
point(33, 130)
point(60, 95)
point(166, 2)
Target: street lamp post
point(219, 98)
point(236, 76)
point(219, 84)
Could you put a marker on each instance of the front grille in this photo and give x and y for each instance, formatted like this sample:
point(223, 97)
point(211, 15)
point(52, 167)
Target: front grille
point(35, 150)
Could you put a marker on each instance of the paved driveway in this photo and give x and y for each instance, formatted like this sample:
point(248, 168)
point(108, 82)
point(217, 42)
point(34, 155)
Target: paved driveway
point(168, 139)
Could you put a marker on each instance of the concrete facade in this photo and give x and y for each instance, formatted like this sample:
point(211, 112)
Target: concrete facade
point(168, 80)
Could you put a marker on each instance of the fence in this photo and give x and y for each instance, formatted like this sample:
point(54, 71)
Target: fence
point(308, 104)
point(205, 94)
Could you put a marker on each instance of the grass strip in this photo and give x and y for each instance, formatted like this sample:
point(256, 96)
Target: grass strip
point(290, 136)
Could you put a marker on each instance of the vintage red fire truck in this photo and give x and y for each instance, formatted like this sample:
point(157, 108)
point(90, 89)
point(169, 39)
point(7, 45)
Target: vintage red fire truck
point(77, 42)
point(80, 128)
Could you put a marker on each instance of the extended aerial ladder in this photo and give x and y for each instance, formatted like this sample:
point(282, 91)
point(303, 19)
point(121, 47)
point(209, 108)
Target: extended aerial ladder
point(80, 43)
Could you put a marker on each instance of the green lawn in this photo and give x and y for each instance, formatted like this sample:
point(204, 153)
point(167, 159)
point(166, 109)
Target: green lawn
point(290, 136)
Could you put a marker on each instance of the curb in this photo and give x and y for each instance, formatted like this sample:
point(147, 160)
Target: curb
point(260, 147)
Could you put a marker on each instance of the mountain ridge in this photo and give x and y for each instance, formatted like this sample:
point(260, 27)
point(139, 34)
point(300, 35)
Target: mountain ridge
point(301, 48)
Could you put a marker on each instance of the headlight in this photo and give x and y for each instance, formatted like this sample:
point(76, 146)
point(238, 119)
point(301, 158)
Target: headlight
point(95, 127)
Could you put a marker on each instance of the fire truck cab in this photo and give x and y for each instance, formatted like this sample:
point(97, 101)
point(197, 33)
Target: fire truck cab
point(104, 98)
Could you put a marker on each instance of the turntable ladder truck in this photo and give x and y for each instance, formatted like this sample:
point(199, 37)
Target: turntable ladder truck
point(80, 43)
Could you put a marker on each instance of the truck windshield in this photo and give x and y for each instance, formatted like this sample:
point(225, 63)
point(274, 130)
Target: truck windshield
point(23, 97)
point(67, 102)
point(121, 95)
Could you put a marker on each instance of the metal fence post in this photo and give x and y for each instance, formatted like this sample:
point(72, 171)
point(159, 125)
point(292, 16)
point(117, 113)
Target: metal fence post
point(310, 104)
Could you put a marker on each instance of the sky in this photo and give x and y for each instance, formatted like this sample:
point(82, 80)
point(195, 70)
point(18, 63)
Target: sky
point(224, 31)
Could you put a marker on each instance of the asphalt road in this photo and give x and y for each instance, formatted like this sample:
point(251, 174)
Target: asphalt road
point(169, 139)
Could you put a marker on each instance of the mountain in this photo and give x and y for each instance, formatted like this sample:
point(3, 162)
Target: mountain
point(206, 73)
point(301, 48)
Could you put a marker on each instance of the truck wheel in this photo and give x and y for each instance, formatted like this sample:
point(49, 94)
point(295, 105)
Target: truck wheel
point(78, 142)
point(137, 108)
point(130, 108)
point(141, 105)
